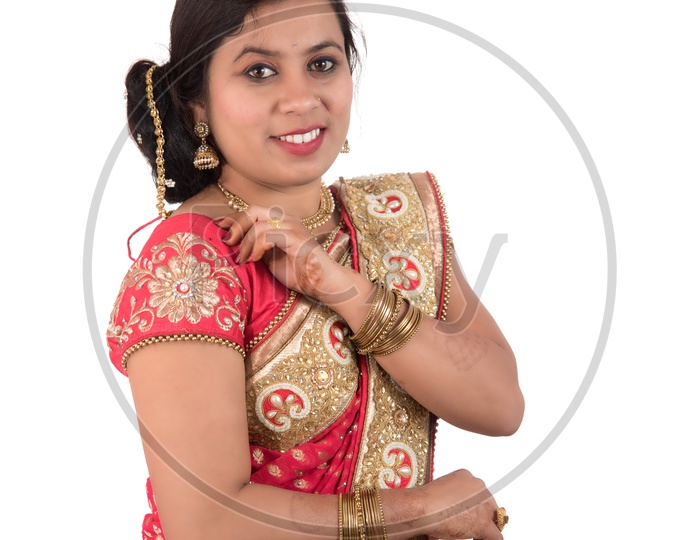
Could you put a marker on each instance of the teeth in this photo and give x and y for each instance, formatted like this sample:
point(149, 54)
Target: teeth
point(299, 138)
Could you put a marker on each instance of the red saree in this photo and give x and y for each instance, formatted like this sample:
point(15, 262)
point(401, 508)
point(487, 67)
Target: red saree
point(322, 419)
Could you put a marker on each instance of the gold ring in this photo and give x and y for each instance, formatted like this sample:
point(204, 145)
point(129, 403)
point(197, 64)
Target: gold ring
point(501, 518)
point(276, 223)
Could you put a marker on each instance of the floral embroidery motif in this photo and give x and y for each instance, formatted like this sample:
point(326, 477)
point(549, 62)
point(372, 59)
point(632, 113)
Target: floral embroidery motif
point(300, 483)
point(404, 273)
point(258, 456)
point(280, 404)
point(387, 205)
point(141, 318)
point(181, 286)
point(274, 470)
point(399, 471)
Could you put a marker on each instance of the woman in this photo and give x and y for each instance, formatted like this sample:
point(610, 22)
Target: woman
point(289, 345)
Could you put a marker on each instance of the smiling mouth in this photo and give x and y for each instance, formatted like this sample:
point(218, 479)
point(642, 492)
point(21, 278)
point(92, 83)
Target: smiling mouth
point(300, 138)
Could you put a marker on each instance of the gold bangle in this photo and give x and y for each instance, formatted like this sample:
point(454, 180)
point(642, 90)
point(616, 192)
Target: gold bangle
point(372, 518)
point(345, 517)
point(373, 514)
point(364, 327)
point(376, 320)
point(398, 304)
point(380, 320)
point(361, 523)
point(349, 518)
point(403, 332)
point(385, 536)
point(367, 513)
point(352, 529)
point(340, 517)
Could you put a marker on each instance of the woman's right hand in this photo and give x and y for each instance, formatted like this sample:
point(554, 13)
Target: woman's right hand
point(291, 253)
point(458, 505)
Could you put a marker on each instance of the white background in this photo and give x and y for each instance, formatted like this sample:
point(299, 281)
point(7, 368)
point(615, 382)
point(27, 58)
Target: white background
point(625, 73)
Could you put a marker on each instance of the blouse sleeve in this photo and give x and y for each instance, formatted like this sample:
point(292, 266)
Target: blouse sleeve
point(181, 288)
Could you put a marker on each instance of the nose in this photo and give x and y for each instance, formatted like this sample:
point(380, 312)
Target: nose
point(298, 95)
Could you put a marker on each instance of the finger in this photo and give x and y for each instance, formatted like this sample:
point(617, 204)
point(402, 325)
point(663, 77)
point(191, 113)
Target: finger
point(248, 242)
point(265, 240)
point(262, 236)
point(238, 225)
point(226, 220)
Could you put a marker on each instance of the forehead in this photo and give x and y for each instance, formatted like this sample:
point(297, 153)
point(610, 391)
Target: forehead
point(289, 23)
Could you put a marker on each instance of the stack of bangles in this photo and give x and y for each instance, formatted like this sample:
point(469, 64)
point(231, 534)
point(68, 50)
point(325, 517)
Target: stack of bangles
point(380, 333)
point(361, 516)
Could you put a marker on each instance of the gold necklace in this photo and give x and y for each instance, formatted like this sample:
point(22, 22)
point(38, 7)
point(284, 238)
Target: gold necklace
point(322, 215)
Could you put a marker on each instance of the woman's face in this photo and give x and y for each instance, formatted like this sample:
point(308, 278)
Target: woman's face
point(280, 95)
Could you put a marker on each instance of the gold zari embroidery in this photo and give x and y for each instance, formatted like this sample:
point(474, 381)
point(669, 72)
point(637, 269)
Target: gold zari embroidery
point(274, 322)
point(180, 286)
point(304, 388)
point(309, 375)
point(450, 247)
point(396, 246)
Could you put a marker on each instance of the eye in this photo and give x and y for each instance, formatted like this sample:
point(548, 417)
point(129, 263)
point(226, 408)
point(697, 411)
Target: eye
point(322, 65)
point(260, 71)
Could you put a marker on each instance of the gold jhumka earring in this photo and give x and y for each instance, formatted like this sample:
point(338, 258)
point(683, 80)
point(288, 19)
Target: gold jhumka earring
point(205, 157)
point(346, 148)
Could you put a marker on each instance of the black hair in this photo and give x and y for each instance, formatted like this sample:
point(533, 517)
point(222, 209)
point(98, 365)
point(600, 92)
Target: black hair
point(197, 28)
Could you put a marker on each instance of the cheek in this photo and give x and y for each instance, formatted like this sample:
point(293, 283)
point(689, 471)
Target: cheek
point(235, 117)
point(233, 113)
point(342, 97)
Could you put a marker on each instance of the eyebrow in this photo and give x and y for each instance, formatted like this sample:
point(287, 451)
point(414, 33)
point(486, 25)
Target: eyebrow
point(275, 54)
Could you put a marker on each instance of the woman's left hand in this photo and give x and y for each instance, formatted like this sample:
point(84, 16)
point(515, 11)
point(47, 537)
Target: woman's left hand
point(292, 254)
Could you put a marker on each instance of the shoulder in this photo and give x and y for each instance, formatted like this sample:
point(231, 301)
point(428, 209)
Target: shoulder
point(183, 285)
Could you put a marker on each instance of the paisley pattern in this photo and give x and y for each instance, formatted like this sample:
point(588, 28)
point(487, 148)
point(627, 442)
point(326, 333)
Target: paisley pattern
point(400, 462)
point(337, 340)
point(281, 404)
point(387, 205)
point(404, 272)
point(305, 387)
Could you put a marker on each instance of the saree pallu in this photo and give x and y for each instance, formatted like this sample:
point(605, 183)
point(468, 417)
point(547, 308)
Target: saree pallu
point(321, 417)
point(324, 419)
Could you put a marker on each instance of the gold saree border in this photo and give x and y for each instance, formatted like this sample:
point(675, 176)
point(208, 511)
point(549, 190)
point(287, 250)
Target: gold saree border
point(401, 238)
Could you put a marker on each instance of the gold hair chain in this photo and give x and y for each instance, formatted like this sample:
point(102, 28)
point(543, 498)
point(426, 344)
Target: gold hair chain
point(160, 144)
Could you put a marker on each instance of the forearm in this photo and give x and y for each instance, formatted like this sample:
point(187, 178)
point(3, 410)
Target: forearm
point(261, 512)
point(317, 516)
point(460, 376)
point(458, 370)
